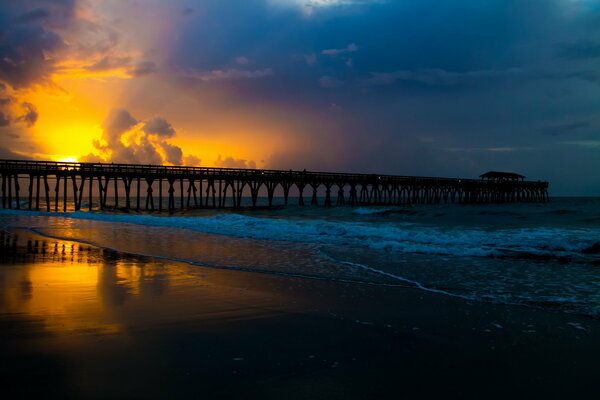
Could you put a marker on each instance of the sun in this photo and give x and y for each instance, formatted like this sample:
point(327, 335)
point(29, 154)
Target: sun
point(68, 159)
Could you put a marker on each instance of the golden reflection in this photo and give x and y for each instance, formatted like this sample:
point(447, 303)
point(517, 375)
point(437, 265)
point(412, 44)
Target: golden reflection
point(73, 287)
point(78, 289)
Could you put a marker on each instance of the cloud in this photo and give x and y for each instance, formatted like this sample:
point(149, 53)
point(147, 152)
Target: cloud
point(142, 68)
point(116, 124)
point(500, 149)
point(158, 126)
point(309, 7)
point(123, 65)
point(109, 62)
point(592, 144)
point(24, 54)
point(4, 121)
point(127, 140)
point(351, 48)
point(230, 162)
point(173, 154)
point(330, 82)
point(191, 161)
point(439, 77)
point(13, 111)
point(30, 116)
point(33, 15)
point(563, 129)
point(11, 155)
point(241, 60)
point(228, 74)
point(310, 59)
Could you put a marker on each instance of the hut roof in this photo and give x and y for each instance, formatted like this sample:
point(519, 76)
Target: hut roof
point(501, 175)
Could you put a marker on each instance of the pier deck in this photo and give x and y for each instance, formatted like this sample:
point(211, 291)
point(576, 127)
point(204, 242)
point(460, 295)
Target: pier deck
point(53, 185)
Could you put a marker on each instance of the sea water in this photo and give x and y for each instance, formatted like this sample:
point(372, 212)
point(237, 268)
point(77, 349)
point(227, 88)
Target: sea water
point(539, 255)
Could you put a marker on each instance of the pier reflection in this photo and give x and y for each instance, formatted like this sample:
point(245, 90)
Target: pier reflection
point(72, 289)
point(74, 286)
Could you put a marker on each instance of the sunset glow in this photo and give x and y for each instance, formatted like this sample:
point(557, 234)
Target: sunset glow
point(327, 84)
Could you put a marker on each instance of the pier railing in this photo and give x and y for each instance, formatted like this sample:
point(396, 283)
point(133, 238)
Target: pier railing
point(204, 187)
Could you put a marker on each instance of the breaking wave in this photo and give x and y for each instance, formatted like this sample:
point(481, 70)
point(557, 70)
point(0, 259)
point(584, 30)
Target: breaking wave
point(537, 243)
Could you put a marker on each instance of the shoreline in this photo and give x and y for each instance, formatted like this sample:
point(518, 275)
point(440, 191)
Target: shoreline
point(226, 334)
point(408, 284)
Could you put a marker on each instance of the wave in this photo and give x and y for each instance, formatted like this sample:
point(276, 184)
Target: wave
point(541, 243)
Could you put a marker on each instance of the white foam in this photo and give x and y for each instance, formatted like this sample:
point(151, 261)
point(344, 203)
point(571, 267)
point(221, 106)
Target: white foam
point(391, 237)
point(370, 210)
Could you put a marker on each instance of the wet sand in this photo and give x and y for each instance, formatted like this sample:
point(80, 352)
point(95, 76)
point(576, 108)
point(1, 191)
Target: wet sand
point(80, 322)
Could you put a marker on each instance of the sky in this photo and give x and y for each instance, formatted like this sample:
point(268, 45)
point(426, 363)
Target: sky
point(412, 87)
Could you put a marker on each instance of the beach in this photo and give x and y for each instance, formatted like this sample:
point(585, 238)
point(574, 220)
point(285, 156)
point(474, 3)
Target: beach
point(78, 321)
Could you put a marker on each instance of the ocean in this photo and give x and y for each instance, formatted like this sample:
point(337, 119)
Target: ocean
point(543, 255)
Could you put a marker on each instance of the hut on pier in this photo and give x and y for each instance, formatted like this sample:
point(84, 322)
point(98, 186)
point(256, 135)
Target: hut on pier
point(497, 176)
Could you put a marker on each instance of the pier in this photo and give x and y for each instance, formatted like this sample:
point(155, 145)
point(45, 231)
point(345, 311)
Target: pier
point(58, 186)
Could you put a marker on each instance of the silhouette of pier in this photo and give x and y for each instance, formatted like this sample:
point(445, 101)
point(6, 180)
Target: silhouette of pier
point(48, 185)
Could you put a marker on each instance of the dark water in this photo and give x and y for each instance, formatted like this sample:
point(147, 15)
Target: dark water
point(541, 255)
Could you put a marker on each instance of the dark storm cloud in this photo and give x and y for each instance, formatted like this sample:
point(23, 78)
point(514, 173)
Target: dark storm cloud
point(33, 15)
point(22, 54)
point(28, 39)
point(409, 78)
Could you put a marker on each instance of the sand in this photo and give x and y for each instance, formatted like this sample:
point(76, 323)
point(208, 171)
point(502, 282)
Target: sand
point(80, 322)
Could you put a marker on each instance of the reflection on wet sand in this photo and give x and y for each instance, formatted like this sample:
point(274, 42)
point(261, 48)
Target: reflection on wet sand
point(73, 287)
point(79, 288)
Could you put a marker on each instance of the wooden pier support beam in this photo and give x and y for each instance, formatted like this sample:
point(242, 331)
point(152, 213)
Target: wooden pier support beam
point(116, 186)
point(37, 193)
point(171, 206)
point(271, 191)
point(285, 185)
point(47, 191)
point(301, 186)
point(17, 188)
point(160, 194)
point(149, 196)
point(65, 185)
point(90, 193)
point(314, 201)
point(340, 201)
point(181, 191)
point(127, 181)
point(138, 193)
point(30, 199)
point(3, 190)
point(328, 194)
